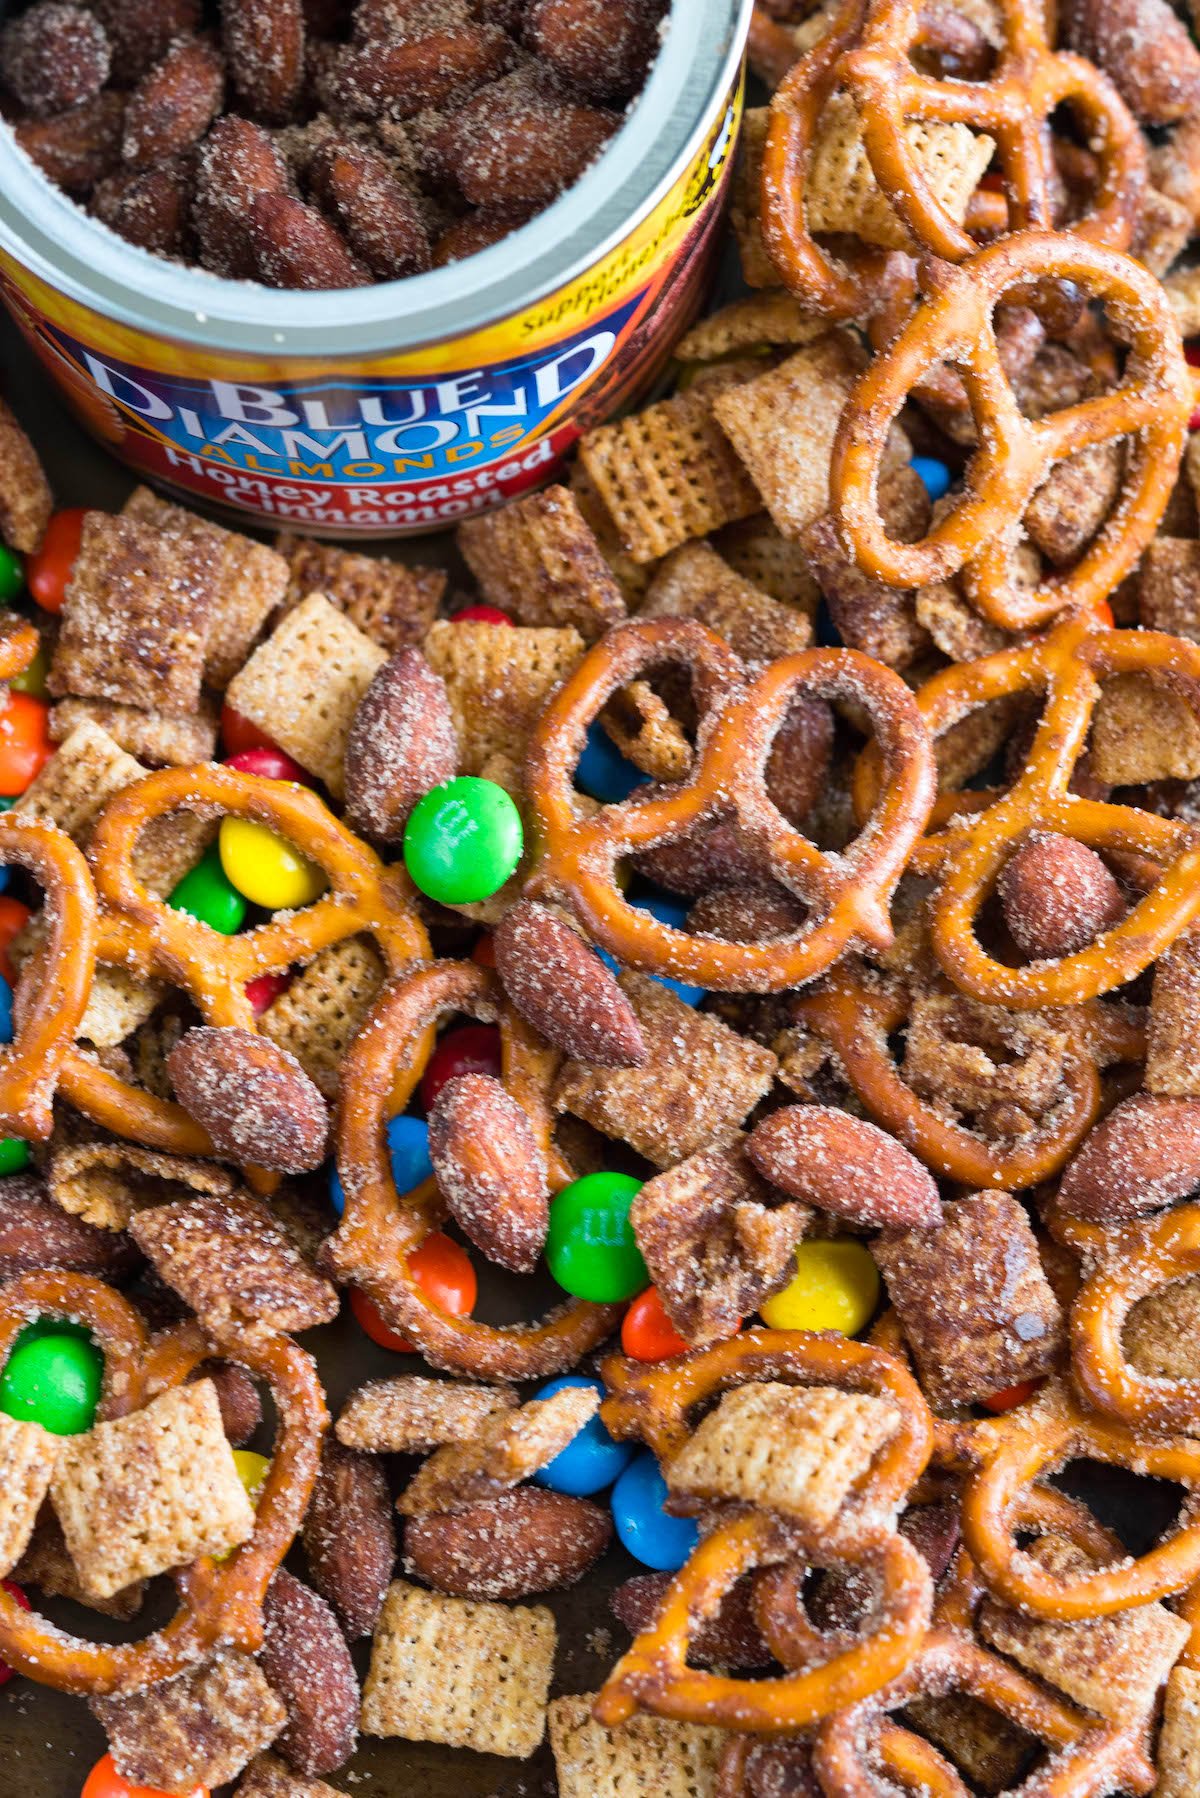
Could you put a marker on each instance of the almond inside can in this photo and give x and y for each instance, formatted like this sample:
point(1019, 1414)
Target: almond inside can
point(402, 407)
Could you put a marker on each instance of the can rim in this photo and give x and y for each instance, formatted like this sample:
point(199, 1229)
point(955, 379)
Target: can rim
point(77, 256)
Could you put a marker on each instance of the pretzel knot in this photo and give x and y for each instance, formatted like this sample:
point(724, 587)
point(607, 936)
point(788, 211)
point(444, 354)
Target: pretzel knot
point(654, 1403)
point(857, 1018)
point(976, 537)
point(967, 858)
point(1131, 1263)
point(146, 935)
point(381, 1229)
point(220, 1601)
point(1031, 1443)
point(1089, 1756)
point(1014, 106)
point(847, 894)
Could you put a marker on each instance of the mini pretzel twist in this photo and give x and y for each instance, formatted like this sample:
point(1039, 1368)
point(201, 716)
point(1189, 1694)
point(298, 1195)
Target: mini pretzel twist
point(654, 1402)
point(975, 538)
point(52, 996)
point(220, 1601)
point(1088, 1756)
point(1028, 1444)
point(1132, 1262)
point(1014, 106)
point(857, 1019)
point(143, 933)
point(381, 1228)
point(1067, 666)
point(848, 893)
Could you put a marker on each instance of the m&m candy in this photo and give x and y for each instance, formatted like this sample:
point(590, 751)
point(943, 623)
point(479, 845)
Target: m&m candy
point(237, 733)
point(268, 763)
point(33, 679)
point(265, 868)
point(602, 772)
point(6, 1012)
point(471, 1049)
point(25, 745)
point(642, 1525)
point(480, 614)
point(591, 1460)
point(53, 1377)
point(253, 1469)
point(835, 1287)
point(668, 911)
point(48, 573)
point(263, 991)
point(463, 840)
point(207, 894)
point(12, 574)
point(13, 918)
point(15, 1154)
point(935, 476)
point(408, 1146)
point(105, 1782)
point(647, 1333)
point(590, 1246)
point(442, 1269)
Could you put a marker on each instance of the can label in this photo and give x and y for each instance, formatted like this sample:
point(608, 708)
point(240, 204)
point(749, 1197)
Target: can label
point(400, 443)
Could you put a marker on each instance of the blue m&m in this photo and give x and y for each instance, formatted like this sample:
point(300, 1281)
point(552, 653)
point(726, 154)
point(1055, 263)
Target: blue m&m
point(644, 1528)
point(602, 772)
point(408, 1146)
point(6, 1011)
point(591, 1460)
point(672, 912)
point(935, 476)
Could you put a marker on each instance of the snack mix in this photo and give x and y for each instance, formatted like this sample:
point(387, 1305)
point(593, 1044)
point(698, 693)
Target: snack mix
point(766, 909)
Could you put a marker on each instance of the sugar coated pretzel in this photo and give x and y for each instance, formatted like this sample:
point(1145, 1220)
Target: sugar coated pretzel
point(1032, 1442)
point(1134, 1261)
point(857, 1019)
point(1089, 1757)
point(654, 1402)
point(848, 893)
point(19, 641)
point(52, 996)
point(143, 933)
point(381, 1228)
point(1067, 666)
point(975, 537)
point(220, 1601)
point(1013, 105)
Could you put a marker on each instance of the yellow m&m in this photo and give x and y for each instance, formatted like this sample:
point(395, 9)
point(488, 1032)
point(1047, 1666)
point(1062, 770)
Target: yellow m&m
point(266, 869)
point(252, 1471)
point(835, 1287)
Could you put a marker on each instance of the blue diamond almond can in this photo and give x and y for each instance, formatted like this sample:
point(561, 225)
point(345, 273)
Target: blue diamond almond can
point(403, 407)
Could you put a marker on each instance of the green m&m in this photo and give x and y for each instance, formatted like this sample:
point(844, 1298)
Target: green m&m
point(53, 1377)
point(14, 1154)
point(590, 1246)
point(463, 840)
point(12, 575)
point(207, 894)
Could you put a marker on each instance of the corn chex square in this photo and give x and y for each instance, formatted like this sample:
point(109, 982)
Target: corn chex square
point(842, 194)
point(250, 579)
point(200, 1728)
point(108, 1183)
point(1143, 730)
point(698, 1083)
point(157, 739)
point(302, 686)
point(782, 425)
point(150, 1491)
point(648, 1755)
point(668, 474)
point(695, 582)
point(538, 559)
point(269, 1777)
point(797, 1449)
point(413, 1415)
point(1178, 1758)
point(471, 1675)
point(27, 1457)
point(1111, 1665)
point(325, 1007)
point(135, 617)
point(506, 1448)
point(498, 683)
point(387, 601)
